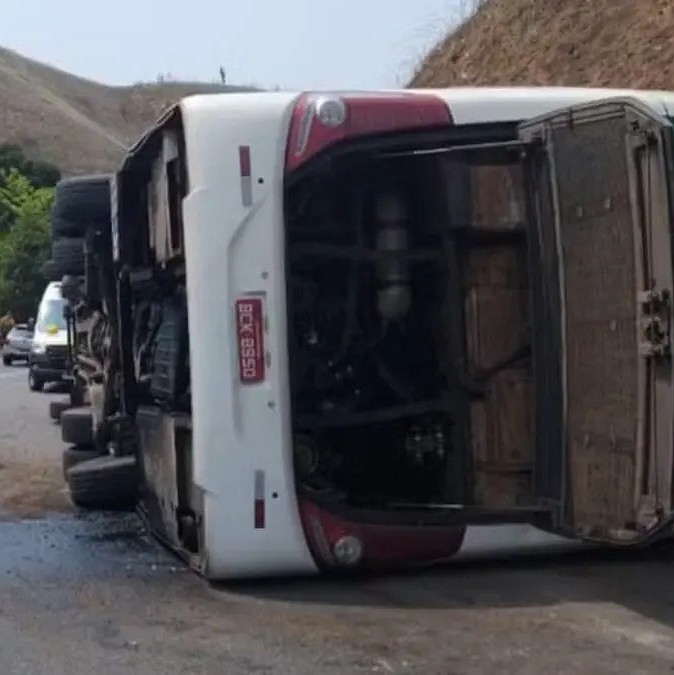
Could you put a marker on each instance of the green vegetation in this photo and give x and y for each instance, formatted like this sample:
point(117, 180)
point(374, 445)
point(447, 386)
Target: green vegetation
point(40, 174)
point(26, 194)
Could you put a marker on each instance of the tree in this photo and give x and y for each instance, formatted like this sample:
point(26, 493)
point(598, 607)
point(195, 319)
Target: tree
point(38, 174)
point(25, 243)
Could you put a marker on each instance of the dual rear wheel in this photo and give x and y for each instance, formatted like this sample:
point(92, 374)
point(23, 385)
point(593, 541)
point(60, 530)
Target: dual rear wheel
point(95, 480)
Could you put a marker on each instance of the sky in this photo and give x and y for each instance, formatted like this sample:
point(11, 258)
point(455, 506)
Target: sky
point(293, 44)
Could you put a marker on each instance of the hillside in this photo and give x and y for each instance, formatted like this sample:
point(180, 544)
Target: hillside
point(79, 125)
point(622, 43)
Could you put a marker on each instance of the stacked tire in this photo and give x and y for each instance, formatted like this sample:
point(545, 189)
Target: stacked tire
point(81, 206)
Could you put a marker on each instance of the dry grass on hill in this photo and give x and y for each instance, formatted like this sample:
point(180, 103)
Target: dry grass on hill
point(621, 43)
point(77, 124)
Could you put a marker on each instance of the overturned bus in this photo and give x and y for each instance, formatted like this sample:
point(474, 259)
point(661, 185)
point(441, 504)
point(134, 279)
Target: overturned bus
point(324, 331)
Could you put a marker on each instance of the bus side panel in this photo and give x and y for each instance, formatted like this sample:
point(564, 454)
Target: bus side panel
point(242, 447)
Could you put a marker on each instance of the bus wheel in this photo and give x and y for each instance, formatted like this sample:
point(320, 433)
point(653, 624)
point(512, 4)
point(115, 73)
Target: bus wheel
point(77, 426)
point(105, 482)
point(74, 456)
point(56, 408)
point(68, 255)
point(34, 382)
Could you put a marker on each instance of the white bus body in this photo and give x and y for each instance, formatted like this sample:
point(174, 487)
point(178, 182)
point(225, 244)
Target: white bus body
point(243, 495)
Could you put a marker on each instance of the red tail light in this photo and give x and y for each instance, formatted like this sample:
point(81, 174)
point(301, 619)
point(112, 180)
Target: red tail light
point(321, 120)
point(335, 542)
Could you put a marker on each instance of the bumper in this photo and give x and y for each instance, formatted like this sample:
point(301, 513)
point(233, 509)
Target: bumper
point(379, 546)
point(47, 368)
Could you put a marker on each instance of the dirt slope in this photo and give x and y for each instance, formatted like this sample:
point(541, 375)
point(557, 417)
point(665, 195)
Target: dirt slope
point(79, 125)
point(623, 43)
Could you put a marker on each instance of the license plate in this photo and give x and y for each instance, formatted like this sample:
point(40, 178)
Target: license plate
point(250, 336)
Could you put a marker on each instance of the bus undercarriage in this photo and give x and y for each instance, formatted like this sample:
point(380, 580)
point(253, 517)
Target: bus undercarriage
point(410, 329)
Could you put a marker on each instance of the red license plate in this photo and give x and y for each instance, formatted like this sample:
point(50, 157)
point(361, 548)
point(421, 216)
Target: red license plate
point(250, 335)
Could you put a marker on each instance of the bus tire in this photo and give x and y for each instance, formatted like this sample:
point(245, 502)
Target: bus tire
point(68, 256)
point(56, 408)
point(77, 427)
point(78, 201)
point(74, 456)
point(67, 228)
point(74, 228)
point(105, 482)
point(35, 383)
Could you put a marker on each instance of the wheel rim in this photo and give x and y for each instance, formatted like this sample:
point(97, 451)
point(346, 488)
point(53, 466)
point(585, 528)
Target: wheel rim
point(31, 379)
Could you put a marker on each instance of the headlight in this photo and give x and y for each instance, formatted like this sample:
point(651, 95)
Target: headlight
point(38, 348)
point(331, 112)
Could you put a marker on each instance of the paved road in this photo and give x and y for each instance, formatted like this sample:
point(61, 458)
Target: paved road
point(31, 481)
point(25, 433)
point(93, 594)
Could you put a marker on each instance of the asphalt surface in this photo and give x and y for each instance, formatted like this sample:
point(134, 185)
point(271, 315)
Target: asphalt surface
point(83, 594)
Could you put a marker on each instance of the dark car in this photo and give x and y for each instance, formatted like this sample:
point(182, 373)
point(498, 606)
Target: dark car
point(17, 344)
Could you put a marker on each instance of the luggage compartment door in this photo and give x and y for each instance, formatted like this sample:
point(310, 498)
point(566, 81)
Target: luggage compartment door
point(599, 187)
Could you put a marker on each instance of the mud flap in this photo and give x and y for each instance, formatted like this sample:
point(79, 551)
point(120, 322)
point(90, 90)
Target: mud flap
point(601, 253)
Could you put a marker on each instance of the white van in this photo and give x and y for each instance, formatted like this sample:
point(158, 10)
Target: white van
point(49, 351)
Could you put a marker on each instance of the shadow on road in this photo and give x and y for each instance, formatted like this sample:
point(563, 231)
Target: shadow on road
point(639, 580)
